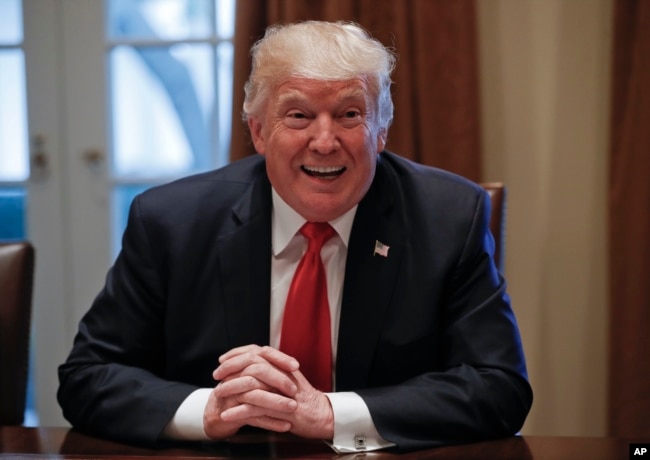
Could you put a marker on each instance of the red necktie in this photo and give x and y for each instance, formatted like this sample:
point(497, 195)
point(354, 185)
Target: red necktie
point(306, 325)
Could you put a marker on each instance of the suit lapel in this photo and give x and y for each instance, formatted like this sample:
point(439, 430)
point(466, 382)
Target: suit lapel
point(369, 280)
point(245, 267)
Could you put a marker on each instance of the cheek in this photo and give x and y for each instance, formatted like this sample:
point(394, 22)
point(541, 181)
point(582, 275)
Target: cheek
point(284, 141)
point(279, 164)
point(365, 172)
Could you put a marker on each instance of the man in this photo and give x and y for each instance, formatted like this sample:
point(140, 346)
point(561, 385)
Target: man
point(422, 345)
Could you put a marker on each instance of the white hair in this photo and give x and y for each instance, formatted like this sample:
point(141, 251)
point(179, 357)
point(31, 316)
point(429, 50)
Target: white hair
point(322, 51)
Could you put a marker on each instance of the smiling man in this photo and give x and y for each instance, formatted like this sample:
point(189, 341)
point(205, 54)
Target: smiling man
point(321, 141)
point(324, 287)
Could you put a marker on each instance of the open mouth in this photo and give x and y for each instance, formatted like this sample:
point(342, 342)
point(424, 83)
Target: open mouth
point(324, 172)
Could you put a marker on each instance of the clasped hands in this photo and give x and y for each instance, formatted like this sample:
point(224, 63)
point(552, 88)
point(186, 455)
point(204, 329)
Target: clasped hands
point(263, 387)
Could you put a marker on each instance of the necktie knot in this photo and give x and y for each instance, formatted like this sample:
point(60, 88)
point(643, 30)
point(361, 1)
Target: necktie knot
point(317, 233)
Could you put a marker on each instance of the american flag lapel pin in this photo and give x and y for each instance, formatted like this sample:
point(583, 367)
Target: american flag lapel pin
point(381, 249)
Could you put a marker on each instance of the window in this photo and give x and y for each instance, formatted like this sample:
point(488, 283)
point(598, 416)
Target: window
point(163, 73)
point(170, 92)
point(14, 158)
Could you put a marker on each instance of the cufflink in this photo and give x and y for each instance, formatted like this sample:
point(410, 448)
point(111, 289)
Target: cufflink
point(360, 442)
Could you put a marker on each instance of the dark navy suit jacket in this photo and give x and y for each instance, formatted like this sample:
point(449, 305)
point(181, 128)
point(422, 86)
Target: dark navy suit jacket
point(427, 335)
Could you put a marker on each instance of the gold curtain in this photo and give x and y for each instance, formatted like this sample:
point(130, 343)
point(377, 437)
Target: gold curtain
point(629, 223)
point(435, 83)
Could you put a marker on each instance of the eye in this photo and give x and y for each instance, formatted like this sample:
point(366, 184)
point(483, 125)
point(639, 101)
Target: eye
point(351, 118)
point(296, 119)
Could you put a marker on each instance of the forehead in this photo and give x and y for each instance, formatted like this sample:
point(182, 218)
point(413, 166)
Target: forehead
point(307, 90)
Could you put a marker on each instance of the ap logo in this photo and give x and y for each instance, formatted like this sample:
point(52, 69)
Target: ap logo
point(640, 451)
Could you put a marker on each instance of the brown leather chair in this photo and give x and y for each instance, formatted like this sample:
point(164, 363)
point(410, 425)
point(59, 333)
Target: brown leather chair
point(16, 281)
point(497, 192)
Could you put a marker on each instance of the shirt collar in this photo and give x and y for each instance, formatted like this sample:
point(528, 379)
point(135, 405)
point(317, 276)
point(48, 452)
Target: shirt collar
point(286, 222)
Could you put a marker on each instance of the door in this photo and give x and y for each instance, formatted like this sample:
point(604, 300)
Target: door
point(120, 95)
point(31, 204)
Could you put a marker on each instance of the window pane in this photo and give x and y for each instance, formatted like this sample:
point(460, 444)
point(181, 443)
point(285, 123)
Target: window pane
point(11, 22)
point(159, 19)
point(12, 214)
point(161, 98)
point(14, 163)
point(225, 18)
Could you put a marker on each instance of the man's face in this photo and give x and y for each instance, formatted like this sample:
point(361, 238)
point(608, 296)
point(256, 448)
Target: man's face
point(321, 140)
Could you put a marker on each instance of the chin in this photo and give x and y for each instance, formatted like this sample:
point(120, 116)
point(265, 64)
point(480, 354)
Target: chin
point(320, 213)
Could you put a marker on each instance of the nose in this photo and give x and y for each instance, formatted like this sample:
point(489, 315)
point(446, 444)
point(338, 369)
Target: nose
point(323, 139)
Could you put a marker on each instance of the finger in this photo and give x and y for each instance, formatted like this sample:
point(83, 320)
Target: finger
point(213, 425)
point(239, 385)
point(270, 354)
point(267, 423)
point(283, 382)
point(300, 379)
point(259, 376)
point(238, 351)
point(259, 403)
point(280, 359)
point(271, 424)
point(237, 362)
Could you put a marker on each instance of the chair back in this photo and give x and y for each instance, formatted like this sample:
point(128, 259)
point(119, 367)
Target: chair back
point(16, 282)
point(497, 192)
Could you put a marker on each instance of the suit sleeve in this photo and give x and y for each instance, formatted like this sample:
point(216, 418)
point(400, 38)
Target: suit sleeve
point(112, 383)
point(479, 389)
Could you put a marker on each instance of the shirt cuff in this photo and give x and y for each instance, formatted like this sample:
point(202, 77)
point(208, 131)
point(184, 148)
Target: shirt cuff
point(187, 422)
point(354, 430)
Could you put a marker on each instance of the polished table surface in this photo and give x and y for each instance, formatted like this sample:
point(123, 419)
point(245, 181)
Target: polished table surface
point(59, 442)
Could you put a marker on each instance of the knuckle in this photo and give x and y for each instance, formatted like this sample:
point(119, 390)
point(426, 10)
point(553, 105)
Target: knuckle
point(266, 350)
point(256, 368)
point(250, 382)
point(257, 396)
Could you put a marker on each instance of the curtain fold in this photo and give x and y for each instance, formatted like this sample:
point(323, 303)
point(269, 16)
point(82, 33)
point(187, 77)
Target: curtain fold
point(435, 83)
point(629, 223)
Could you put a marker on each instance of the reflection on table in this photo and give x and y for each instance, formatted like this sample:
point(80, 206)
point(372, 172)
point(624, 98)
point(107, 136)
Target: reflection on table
point(59, 442)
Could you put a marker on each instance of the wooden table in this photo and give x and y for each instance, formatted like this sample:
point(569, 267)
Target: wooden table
point(58, 442)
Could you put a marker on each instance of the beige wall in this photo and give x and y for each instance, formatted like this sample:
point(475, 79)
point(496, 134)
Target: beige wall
point(545, 92)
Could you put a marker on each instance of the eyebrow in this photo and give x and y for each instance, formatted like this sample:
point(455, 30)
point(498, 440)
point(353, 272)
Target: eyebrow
point(295, 95)
point(291, 96)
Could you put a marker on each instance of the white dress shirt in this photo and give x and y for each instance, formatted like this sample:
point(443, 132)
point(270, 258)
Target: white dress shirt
point(354, 430)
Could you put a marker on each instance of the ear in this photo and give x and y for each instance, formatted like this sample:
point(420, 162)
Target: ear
point(255, 127)
point(381, 139)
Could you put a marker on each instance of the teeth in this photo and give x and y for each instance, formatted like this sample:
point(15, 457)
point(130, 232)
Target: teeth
point(323, 169)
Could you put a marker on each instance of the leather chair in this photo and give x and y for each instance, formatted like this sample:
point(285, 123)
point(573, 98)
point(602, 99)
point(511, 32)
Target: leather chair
point(16, 282)
point(497, 192)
